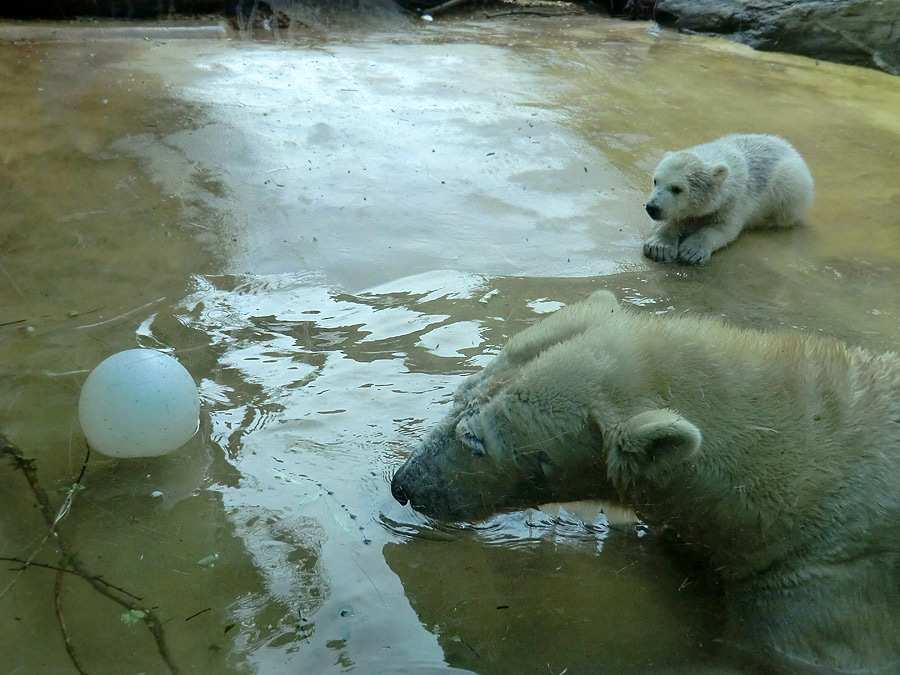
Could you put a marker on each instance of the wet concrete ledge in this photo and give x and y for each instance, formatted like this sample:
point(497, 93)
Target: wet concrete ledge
point(856, 32)
point(52, 31)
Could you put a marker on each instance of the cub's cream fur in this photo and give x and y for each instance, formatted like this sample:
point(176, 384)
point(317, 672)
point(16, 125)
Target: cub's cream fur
point(703, 197)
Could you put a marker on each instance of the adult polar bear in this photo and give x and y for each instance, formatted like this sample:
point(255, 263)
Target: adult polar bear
point(774, 457)
point(706, 195)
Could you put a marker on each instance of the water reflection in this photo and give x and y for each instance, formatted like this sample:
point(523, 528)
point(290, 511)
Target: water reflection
point(315, 395)
point(299, 378)
point(281, 217)
point(503, 609)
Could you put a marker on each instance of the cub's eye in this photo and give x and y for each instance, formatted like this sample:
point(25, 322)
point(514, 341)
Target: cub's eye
point(655, 182)
point(675, 190)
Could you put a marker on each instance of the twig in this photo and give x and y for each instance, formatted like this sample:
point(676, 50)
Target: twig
point(26, 466)
point(26, 564)
point(121, 316)
point(531, 12)
point(12, 281)
point(52, 519)
point(196, 614)
point(371, 582)
point(474, 651)
point(67, 638)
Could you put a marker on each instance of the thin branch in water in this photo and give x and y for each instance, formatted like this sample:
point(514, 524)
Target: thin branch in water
point(196, 614)
point(12, 323)
point(531, 12)
point(80, 371)
point(12, 281)
point(121, 316)
point(61, 619)
point(24, 564)
point(27, 467)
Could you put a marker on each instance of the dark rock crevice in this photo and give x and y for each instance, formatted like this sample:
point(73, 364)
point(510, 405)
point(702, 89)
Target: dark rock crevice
point(857, 32)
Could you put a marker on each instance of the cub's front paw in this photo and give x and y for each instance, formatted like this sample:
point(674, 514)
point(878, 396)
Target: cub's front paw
point(692, 254)
point(660, 249)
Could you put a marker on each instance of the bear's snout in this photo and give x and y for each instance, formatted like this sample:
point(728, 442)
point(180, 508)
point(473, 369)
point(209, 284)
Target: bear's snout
point(653, 211)
point(397, 489)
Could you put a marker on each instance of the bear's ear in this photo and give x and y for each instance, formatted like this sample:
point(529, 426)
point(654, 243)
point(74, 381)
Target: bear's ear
point(560, 326)
point(720, 173)
point(645, 446)
point(604, 298)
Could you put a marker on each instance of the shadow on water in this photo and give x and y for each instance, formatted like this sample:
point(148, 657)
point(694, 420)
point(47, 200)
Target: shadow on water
point(331, 233)
point(631, 610)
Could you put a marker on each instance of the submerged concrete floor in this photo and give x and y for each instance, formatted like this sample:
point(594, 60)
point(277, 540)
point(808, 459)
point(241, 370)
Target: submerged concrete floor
point(330, 231)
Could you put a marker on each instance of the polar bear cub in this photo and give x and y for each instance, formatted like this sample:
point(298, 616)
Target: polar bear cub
point(704, 196)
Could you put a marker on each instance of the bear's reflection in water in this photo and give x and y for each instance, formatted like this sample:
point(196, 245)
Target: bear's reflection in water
point(628, 608)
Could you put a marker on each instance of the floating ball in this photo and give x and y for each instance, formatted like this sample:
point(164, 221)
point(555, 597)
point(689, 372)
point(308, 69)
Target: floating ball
point(139, 403)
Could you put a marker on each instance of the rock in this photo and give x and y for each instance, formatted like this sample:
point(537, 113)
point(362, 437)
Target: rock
point(857, 32)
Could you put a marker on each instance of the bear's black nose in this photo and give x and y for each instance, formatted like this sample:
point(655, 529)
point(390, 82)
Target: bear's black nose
point(653, 210)
point(398, 491)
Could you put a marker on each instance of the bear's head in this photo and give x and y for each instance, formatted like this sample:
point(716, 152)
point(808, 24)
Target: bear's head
point(685, 186)
point(561, 414)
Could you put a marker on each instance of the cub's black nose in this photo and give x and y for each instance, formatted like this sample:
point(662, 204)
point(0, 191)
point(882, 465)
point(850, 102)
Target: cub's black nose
point(653, 210)
point(398, 492)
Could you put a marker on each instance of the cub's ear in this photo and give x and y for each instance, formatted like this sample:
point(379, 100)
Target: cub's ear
point(645, 446)
point(720, 173)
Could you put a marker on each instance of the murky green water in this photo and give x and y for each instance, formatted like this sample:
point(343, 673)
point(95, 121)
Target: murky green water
point(330, 233)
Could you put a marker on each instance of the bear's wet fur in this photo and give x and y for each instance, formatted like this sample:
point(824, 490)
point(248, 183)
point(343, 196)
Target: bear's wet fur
point(774, 457)
point(705, 196)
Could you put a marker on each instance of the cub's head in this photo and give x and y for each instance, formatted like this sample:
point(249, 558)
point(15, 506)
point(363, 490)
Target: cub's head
point(563, 413)
point(685, 186)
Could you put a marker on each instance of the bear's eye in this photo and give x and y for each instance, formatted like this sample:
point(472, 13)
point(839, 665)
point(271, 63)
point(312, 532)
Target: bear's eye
point(675, 190)
point(655, 182)
point(466, 436)
point(475, 444)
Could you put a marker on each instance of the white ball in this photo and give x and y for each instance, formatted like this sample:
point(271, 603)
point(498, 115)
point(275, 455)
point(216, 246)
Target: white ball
point(139, 403)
